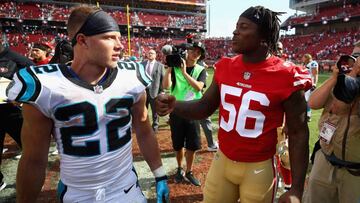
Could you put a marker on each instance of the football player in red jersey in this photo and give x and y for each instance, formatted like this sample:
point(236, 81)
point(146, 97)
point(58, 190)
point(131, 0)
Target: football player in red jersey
point(252, 90)
point(282, 155)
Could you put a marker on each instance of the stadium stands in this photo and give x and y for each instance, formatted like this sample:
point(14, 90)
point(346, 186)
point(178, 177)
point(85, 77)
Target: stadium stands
point(328, 13)
point(52, 12)
point(324, 45)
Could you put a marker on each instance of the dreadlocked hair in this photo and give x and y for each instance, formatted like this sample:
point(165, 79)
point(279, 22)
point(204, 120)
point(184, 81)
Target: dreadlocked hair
point(270, 26)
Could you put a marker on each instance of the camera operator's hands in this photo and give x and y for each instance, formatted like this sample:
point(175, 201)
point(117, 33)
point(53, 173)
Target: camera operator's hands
point(183, 66)
point(165, 104)
point(335, 72)
point(356, 67)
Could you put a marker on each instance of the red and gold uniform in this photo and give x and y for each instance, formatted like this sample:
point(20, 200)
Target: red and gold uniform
point(251, 109)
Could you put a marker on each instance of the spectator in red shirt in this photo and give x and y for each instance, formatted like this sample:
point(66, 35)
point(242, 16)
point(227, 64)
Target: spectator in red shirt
point(40, 53)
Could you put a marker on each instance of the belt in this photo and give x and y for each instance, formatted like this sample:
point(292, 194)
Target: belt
point(341, 163)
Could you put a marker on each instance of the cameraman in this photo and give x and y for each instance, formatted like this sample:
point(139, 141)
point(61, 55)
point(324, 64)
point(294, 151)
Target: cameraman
point(335, 175)
point(186, 83)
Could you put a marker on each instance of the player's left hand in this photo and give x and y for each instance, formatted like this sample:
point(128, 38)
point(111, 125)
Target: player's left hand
point(291, 196)
point(162, 191)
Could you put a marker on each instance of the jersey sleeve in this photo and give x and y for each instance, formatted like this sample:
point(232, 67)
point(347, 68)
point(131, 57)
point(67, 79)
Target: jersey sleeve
point(142, 75)
point(202, 77)
point(300, 79)
point(27, 88)
point(314, 65)
point(137, 76)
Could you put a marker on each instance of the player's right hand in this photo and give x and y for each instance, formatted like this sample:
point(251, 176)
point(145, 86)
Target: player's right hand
point(290, 196)
point(162, 192)
point(165, 104)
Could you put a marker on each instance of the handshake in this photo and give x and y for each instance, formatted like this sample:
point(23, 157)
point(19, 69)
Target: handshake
point(165, 104)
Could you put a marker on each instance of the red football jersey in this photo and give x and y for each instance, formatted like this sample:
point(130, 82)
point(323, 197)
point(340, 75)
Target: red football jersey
point(251, 104)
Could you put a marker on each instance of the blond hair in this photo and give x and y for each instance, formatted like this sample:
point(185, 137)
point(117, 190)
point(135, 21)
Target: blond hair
point(308, 57)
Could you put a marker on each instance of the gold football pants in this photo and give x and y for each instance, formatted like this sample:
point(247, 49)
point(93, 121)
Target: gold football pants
point(228, 181)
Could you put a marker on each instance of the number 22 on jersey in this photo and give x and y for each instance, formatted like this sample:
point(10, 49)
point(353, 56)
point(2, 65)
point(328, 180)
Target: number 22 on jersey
point(243, 112)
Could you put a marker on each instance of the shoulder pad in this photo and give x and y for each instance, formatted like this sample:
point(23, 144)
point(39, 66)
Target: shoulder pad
point(30, 85)
point(141, 74)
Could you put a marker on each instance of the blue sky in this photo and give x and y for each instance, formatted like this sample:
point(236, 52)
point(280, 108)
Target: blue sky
point(225, 13)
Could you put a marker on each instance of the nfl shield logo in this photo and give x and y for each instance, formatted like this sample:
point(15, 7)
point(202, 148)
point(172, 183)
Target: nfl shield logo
point(98, 89)
point(247, 75)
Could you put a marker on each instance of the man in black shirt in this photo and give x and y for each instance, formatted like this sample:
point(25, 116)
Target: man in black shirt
point(11, 118)
point(186, 83)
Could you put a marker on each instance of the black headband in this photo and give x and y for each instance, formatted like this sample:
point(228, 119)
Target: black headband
point(254, 15)
point(97, 23)
point(41, 47)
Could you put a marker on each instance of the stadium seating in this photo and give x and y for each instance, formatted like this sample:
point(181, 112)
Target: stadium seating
point(52, 12)
point(331, 13)
point(322, 46)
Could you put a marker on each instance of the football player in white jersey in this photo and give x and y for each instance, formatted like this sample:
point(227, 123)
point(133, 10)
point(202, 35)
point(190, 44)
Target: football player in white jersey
point(313, 68)
point(90, 108)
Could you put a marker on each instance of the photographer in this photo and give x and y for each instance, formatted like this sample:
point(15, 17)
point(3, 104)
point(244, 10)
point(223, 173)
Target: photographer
point(186, 83)
point(335, 175)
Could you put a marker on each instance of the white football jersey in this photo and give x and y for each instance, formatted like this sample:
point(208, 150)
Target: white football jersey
point(92, 123)
point(312, 65)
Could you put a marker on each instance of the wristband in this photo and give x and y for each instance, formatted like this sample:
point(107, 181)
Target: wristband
point(159, 172)
point(161, 178)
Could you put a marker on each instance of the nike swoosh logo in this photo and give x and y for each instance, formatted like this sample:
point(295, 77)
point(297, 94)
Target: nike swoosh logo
point(126, 191)
point(258, 171)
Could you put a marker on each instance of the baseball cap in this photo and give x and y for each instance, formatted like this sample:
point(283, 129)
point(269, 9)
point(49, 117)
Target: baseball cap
point(202, 48)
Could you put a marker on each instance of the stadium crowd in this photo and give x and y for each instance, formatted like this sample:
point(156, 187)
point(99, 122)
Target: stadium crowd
point(322, 46)
point(53, 12)
point(332, 13)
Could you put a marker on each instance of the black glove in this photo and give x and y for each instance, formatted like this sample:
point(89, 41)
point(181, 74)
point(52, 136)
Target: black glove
point(346, 88)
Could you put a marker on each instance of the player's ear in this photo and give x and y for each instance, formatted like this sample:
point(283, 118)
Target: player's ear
point(81, 39)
